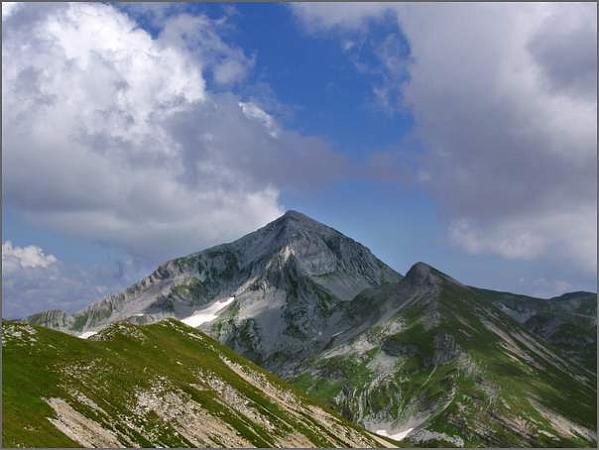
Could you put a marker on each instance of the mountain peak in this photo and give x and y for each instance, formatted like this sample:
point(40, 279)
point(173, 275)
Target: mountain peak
point(295, 221)
point(294, 257)
point(421, 273)
point(293, 214)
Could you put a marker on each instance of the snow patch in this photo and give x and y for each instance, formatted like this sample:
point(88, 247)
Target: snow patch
point(207, 314)
point(396, 436)
point(87, 334)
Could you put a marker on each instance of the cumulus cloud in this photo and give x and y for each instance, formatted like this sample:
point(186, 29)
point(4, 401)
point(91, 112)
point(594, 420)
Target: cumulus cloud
point(15, 258)
point(113, 134)
point(325, 16)
point(201, 37)
point(566, 51)
point(253, 111)
point(504, 102)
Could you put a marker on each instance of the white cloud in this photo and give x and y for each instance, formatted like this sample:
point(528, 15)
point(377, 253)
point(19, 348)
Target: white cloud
point(200, 36)
point(113, 135)
point(253, 111)
point(323, 16)
point(565, 235)
point(504, 102)
point(15, 258)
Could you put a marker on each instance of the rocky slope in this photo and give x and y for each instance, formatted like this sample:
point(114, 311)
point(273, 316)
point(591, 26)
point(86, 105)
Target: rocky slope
point(568, 321)
point(160, 385)
point(438, 363)
point(424, 357)
point(287, 279)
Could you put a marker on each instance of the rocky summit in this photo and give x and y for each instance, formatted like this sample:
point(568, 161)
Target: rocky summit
point(287, 280)
point(422, 359)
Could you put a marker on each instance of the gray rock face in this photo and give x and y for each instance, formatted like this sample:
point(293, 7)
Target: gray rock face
point(288, 279)
point(134, 300)
point(53, 318)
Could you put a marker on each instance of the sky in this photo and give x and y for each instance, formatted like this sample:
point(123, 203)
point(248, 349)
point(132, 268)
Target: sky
point(461, 135)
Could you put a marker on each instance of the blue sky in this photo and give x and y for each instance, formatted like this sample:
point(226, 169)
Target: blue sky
point(406, 128)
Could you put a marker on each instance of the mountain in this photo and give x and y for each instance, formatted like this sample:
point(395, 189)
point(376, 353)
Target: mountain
point(287, 280)
point(435, 362)
point(568, 321)
point(423, 357)
point(160, 385)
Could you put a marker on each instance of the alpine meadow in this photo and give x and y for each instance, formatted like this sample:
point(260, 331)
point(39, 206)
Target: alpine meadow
point(299, 225)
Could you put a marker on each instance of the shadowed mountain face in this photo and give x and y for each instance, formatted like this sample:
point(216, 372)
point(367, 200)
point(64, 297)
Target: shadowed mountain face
point(421, 357)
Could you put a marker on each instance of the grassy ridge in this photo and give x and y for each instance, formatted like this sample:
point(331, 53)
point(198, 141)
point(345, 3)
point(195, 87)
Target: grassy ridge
point(103, 379)
point(475, 374)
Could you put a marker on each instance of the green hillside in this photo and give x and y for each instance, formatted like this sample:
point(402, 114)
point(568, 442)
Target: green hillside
point(439, 358)
point(160, 385)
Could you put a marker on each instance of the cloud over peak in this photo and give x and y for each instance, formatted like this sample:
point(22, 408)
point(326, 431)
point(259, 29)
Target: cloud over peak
point(504, 102)
point(113, 134)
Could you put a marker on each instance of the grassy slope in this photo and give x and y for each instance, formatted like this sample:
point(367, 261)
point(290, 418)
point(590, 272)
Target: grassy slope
point(575, 313)
point(483, 396)
point(126, 359)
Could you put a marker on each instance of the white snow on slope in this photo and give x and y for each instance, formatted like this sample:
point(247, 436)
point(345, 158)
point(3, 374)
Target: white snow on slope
point(87, 334)
point(397, 436)
point(207, 314)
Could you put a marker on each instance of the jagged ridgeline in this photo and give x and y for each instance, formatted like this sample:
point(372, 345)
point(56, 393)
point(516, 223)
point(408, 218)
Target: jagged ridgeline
point(423, 358)
point(160, 385)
